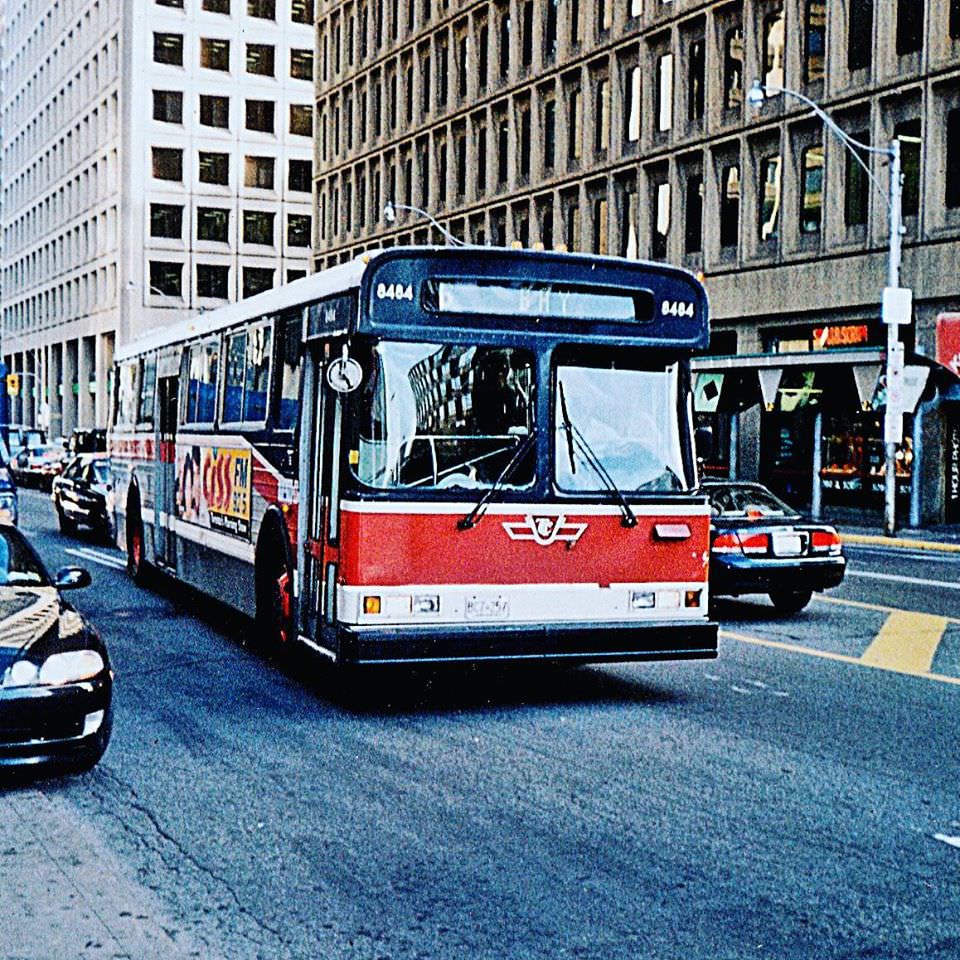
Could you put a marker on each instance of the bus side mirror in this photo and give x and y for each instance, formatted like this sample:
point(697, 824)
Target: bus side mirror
point(703, 439)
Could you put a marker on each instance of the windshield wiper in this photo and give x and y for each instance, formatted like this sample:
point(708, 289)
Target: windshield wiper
point(576, 440)
point(473, 517)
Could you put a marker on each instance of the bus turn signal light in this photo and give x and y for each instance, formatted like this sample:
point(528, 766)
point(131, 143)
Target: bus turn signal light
point(371, 605)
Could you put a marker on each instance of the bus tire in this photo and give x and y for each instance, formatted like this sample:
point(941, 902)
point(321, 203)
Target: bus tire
point(274, 597)
point(136, 563)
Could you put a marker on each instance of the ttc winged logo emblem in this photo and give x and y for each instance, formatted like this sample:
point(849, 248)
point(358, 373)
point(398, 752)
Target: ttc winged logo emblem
point(545, 530)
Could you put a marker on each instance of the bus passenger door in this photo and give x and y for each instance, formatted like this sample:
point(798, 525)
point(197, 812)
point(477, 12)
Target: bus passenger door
point(317, 560)
point(166, 486)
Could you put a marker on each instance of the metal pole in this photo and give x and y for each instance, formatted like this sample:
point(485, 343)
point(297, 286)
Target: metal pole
point(893, 338)
point(734, 446)
point(815, 489)
point(916, 466)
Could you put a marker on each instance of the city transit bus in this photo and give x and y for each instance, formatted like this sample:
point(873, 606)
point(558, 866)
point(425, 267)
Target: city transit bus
point(430, 454)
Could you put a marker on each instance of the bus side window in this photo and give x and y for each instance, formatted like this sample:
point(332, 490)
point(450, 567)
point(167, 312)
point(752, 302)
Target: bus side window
point(148, 385)
point(288, 395)
point(202, 386)
point(257, 379)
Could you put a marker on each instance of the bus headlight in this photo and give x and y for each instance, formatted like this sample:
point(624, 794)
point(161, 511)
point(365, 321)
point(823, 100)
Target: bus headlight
point(426, 604)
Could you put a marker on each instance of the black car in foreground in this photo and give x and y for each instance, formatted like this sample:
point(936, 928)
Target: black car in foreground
point(56, 683)
point(759, 544)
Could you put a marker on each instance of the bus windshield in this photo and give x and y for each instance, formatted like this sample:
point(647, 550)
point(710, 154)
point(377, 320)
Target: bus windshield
point(443, 416)
point(627, 419)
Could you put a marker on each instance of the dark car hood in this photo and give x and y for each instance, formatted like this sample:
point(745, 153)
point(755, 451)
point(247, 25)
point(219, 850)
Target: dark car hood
point(30, 616)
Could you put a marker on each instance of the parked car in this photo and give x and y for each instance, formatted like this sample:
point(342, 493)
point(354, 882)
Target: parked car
point(8, 490)
point(81, 494)
point(37, 466)
point(87, 441)
point(759, 544)
point(56, 683)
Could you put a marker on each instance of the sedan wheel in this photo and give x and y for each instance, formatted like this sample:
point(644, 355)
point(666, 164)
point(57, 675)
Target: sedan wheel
point(790, 601)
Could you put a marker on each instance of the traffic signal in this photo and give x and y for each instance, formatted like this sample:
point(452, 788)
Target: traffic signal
point(13, 384)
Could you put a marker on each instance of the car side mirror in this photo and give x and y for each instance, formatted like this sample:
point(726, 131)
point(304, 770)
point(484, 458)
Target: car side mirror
point(703, 438)
point(72, 578)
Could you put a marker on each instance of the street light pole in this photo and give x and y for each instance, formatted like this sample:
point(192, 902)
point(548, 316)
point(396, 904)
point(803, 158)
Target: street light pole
point(896, 303)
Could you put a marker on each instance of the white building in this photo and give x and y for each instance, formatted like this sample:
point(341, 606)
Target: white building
point(157, 162)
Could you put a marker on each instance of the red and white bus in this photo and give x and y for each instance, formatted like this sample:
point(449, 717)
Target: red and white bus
point(431, 454)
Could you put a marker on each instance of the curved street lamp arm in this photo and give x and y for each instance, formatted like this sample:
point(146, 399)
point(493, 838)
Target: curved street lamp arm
point(389, 214)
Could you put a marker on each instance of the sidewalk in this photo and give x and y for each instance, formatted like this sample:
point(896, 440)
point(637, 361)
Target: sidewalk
point(945, 539)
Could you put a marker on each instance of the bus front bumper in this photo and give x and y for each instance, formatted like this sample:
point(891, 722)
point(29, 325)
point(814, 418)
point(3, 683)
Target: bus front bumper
point(579, 642)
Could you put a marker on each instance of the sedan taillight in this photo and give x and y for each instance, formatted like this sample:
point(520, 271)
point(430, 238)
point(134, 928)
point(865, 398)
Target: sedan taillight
point(754, 542)
point(825, 541)
point(726, 543)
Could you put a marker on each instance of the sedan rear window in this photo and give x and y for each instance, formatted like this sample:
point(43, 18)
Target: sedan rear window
point(750, 502)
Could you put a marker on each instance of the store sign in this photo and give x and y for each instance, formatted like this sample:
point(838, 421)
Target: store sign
point(848, 335)
point(948, 341)
point(953, 470)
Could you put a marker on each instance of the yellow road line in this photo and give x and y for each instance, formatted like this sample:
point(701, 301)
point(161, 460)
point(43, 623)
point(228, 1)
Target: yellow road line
point(906, 643)
point(862, 605)
point(903, 542)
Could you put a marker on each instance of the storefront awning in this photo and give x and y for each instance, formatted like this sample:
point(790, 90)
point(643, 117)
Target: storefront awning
point(791, 380)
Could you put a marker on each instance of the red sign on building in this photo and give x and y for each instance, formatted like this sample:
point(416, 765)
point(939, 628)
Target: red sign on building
point(948, 341)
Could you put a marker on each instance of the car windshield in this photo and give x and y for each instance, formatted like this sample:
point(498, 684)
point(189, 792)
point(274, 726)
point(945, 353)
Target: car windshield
point(442, 416)
point(101, 471)
point(17, 564)
point(749, 502)
point(628, 419)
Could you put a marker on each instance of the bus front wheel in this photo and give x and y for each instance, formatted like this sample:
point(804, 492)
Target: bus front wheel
point(136, 564)
point(274, 619)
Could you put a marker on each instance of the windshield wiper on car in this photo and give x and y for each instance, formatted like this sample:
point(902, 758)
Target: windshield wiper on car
point(576, 440)
point(473, 517)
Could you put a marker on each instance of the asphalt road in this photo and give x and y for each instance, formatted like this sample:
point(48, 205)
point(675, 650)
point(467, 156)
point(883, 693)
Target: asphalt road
point(795, 798)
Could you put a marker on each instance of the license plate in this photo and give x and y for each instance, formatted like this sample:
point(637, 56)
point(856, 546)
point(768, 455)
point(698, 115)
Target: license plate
point(787, 544)
point(487, 608)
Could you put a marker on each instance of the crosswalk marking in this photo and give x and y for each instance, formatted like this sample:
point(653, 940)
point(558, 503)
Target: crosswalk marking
point(907, 642)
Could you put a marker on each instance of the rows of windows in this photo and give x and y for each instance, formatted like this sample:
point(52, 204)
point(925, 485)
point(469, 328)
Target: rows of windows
point(301, 11)
point(214, 111)
point(214, 54)
point(213, 167)
point(243, 377)
point(215, 280)
point(213, 224)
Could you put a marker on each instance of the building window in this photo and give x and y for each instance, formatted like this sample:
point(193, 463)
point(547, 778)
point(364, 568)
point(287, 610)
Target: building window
point(483, 56)
point(860, 35)
point(300, 176)
point(166, 278)
point(733, 69)
point(301, 120)
point(814, 40)
point(443, 71)
point(256, 280)
point(213, 280)
point(695, 80)
point(550, 31)
point(629, 244)
point(770, 197)
point(549, 133)
point(955, 19)
point(260, 115)
point(909, 26)
point(503, 151)
point(214, 54)
point(573, 125)
point(693, 228)
point(601, 118)
point(295, 275)
point(301, 11)
point(298, 230)
point(214, 111)
point(773, 49)
point(168, 106)
point(504, 45)
point(526, 50)
point(730, 206)
point(260, 59)
point(166, 220)
point(301, 64)
point(661, 220)
point(258, 172)
point(463, 66)
point(631, 105)
point(600, 227)
point(258, 227)
point(908, 133)
point(170, 3)
point(216, 6)
point(167, 163)
point(811, 209)
point(952, 196)
point(262, 9)
point(525, 141)
point(214, 167)
point(213, 223)
point(664, 92)
point(574, 33)
point(856, 186)
point(168, 48)
point(461, 149)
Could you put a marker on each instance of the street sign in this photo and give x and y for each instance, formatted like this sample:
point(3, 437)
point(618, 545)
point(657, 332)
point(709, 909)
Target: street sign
point(895, 378)
point(897, 305)
point(13, 384)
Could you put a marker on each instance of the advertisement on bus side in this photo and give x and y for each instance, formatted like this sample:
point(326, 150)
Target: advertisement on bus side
point(213, 488)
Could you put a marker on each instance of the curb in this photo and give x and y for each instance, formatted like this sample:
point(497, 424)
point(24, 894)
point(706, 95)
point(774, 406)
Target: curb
point(900, 542)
